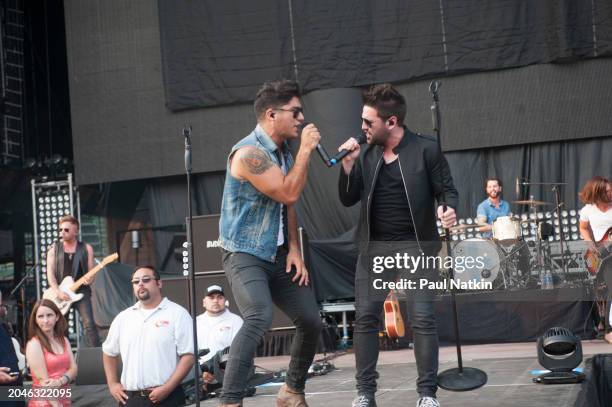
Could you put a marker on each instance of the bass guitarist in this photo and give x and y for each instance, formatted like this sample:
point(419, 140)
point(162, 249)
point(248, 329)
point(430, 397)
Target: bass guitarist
point(596, 230)
point(71, 257)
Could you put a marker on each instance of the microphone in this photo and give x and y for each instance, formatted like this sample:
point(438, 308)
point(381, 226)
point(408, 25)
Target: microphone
point(320, 149)
point(361, 139)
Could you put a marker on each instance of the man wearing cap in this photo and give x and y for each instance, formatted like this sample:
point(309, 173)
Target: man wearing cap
point(217, 327)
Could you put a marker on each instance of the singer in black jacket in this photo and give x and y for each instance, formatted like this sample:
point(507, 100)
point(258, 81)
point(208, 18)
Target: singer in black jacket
point(399, 176)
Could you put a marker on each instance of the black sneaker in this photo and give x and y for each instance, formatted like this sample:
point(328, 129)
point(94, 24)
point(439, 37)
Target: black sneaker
point(364, 400)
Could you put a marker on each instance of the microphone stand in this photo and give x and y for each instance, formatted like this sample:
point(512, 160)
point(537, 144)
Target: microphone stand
point(21, 287)
point(192, 281)
point(460, 378)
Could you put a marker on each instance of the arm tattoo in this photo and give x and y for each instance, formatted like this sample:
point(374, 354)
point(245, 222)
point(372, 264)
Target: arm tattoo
point(256, 161)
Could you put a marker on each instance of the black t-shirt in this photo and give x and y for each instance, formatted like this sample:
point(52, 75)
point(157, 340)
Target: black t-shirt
point(68, 264)
point(390, 217)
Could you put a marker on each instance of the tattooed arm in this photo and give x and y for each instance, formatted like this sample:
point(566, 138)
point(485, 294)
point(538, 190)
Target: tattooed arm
point(253, 164)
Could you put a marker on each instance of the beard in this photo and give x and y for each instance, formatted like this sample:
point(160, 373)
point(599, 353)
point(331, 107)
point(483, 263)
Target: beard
point(379, 139)
point(143, 295)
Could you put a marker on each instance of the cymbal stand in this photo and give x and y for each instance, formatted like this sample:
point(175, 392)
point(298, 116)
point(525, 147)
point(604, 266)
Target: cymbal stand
point(555, 189)
point(539, 255)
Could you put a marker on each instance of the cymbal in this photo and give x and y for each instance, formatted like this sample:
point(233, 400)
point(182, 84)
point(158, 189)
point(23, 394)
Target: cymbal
point(531, 202)
point(465, 226)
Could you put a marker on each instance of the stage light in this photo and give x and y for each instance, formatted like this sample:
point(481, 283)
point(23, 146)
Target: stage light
point(540, 215)
point(524, 216)
point(564, 213)
point(575, 236)
point(548, 215)
point(559, 351)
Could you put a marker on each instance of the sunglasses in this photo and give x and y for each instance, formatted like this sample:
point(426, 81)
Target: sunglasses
point(296, 111)
point(144, 280)
point(368, 123)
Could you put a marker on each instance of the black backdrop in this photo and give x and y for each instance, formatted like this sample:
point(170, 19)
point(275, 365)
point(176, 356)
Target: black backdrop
point(217, 53)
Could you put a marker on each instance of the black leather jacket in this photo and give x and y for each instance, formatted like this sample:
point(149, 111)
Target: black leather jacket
point(426, 175)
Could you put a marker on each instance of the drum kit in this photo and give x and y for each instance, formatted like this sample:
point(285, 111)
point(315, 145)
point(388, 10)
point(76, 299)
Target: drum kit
point(506, 258)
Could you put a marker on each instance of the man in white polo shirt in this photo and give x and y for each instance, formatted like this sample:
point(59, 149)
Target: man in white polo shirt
point(155, 341)
point(217, 327)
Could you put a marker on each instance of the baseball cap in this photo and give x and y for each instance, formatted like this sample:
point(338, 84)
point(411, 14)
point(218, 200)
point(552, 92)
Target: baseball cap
point(214, 289)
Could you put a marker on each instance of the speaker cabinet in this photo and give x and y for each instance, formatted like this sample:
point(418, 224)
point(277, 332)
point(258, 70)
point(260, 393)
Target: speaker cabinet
point(177, 290)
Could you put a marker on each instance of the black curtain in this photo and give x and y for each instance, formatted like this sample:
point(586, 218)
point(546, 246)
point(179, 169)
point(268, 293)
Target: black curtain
point(218, 53)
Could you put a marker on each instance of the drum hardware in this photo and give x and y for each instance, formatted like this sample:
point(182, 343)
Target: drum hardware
point(532, 206)
point(465, 226)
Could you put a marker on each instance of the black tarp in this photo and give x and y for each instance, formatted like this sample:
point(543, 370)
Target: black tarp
point(218, 53)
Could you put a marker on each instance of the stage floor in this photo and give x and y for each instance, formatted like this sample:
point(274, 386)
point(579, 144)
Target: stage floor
point(508, 367)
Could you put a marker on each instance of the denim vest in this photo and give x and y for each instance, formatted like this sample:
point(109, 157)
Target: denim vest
point(249, 219)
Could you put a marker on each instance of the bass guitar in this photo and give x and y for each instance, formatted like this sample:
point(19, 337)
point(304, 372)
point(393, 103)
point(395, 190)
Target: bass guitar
point(70, 287)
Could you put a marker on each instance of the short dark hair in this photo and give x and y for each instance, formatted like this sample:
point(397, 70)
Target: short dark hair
point(70, 219)
point(387, 101)
point(155, 272)
point(275, 94)
point(486, 181)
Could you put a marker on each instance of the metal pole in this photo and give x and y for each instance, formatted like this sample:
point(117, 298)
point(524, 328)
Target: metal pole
point(192, 280)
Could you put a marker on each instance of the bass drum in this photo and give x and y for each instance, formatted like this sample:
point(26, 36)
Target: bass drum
point(478, 260)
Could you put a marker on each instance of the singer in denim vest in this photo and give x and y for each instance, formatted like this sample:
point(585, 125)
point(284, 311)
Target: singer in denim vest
point(258, 234)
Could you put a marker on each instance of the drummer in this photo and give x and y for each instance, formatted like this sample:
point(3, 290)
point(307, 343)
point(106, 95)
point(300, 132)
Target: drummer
point(491, 208)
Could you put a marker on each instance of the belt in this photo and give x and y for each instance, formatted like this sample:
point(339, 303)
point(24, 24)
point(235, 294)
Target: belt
point(138, 393)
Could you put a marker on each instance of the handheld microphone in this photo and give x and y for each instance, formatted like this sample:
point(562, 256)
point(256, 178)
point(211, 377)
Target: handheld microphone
point(320, 149)
point(361, 139)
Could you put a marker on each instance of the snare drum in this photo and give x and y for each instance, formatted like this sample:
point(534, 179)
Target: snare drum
point(506, 230)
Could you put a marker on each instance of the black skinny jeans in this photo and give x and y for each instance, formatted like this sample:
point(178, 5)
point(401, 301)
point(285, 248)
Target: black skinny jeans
point(256, 285)
point(368, 311)
point(91, 336)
